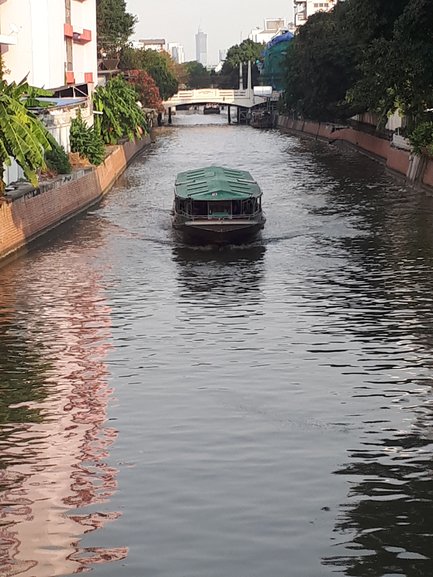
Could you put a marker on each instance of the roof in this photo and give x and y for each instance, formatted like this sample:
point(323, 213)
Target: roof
point(216, 183)
point(284, 37)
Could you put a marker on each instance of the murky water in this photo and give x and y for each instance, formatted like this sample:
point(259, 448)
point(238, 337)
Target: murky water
point(260, 410)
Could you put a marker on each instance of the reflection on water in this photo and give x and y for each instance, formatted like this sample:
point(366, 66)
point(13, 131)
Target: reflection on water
point(272, 401)
point(53, 437)
point(389, 509)
point(227, 271)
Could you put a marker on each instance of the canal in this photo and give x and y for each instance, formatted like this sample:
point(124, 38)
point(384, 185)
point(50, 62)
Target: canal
point(258, 410)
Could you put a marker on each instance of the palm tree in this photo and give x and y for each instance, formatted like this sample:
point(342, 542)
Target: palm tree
point(22, 136)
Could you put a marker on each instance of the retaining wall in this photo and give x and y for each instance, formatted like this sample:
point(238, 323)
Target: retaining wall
point(398, 160)
point(36, 212)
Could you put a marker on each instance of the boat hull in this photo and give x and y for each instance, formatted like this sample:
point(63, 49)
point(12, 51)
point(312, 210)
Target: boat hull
point(219, 232)
point(211, 110)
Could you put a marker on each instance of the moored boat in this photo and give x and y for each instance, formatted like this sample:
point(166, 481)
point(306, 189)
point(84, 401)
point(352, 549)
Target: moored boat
point(261, 119)
point(211, 109)
point(217, 205)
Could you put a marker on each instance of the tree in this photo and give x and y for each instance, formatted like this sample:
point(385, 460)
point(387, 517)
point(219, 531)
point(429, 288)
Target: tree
point(146, 89)
point(321, 67)
point(197, 75)
point(181, 72)
point(22, 135)
point(120, 116)
point(346, 61)
point(159, 65)
point(114, 26)
point(247, 51)
point(396, 72)
point(413, 49)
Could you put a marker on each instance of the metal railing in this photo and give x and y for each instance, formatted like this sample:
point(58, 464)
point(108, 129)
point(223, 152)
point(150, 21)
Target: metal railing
point(219, 216)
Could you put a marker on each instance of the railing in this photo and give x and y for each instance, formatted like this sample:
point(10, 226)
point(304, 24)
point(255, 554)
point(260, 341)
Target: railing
point(243, 216)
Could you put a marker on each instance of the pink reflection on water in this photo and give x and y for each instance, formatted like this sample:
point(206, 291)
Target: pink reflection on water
point(59, 464)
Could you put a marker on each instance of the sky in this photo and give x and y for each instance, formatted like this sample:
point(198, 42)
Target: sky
point(226, 22)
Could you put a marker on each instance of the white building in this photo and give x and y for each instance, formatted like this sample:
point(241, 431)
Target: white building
point(305, 8)
point(53, 42)
point(271, 27)
point(201, 47)
point(222, 55)
point(177, 52)
point(157, 44)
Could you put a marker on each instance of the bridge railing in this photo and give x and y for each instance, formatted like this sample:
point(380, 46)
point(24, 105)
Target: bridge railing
point(207, 95)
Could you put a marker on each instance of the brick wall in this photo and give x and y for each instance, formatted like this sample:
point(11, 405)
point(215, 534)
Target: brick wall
point(32, 215)
point(395, 159)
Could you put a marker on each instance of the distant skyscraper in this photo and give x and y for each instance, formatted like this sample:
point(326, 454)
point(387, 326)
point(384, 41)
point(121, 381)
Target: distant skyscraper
point(222, 55)
point(201, 47)
point(177, 52)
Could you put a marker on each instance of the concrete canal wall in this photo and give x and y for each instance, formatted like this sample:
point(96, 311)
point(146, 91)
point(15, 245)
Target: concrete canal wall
point(415, 169)
point(27, 216)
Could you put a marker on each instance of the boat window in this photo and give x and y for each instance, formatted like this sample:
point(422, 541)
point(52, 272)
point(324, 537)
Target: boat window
point(236, 207)
point(220, 209)
point(248, 206)
point(199, 208)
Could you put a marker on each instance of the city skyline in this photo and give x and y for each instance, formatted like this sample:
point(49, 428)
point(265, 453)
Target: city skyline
point(224, 27)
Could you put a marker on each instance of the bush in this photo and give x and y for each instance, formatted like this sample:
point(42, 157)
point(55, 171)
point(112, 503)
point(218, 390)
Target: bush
point(86, 141)
point(421, 138)
point(57, 160)
point(119, 115)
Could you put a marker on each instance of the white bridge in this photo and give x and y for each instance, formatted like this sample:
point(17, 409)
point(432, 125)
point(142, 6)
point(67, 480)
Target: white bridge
point(242, 98)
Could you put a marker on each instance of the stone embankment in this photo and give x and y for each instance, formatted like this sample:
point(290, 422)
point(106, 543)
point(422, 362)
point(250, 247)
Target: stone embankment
point(26, 214)
point(416, 170)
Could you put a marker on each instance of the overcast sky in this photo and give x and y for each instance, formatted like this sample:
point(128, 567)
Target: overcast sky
point(226, 22)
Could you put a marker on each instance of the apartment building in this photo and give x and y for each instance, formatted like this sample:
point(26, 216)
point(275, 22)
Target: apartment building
point(303, 9)
point(177, 52)
point(157, 44)
point(271, 27)
point(52, 42)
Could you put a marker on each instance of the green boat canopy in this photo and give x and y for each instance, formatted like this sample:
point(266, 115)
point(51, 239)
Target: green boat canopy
point(216, 183)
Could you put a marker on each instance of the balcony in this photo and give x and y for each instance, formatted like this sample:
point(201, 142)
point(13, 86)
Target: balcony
point(68, 30)
point(70, 77)
point(80, 36)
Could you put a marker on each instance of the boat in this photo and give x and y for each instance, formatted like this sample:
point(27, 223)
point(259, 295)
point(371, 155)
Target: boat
point(261, 119)
point(217, 205)
point(211, 109)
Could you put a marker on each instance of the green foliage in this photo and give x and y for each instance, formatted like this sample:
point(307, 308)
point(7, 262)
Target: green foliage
point(159, 65)
point(364, 55)
point(22, 135)
point(57, 160)
point(120, 116)
point(114, 26)
point(197, 75)
point(86, 141)
point(421, 138)
point(320, 67)
point(242, 53)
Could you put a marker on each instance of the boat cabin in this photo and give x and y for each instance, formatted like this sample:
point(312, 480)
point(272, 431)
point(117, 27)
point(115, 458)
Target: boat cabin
point(217, 193)
point(219, 208)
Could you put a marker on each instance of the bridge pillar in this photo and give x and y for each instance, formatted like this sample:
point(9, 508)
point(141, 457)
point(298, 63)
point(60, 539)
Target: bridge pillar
point(249, 80)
